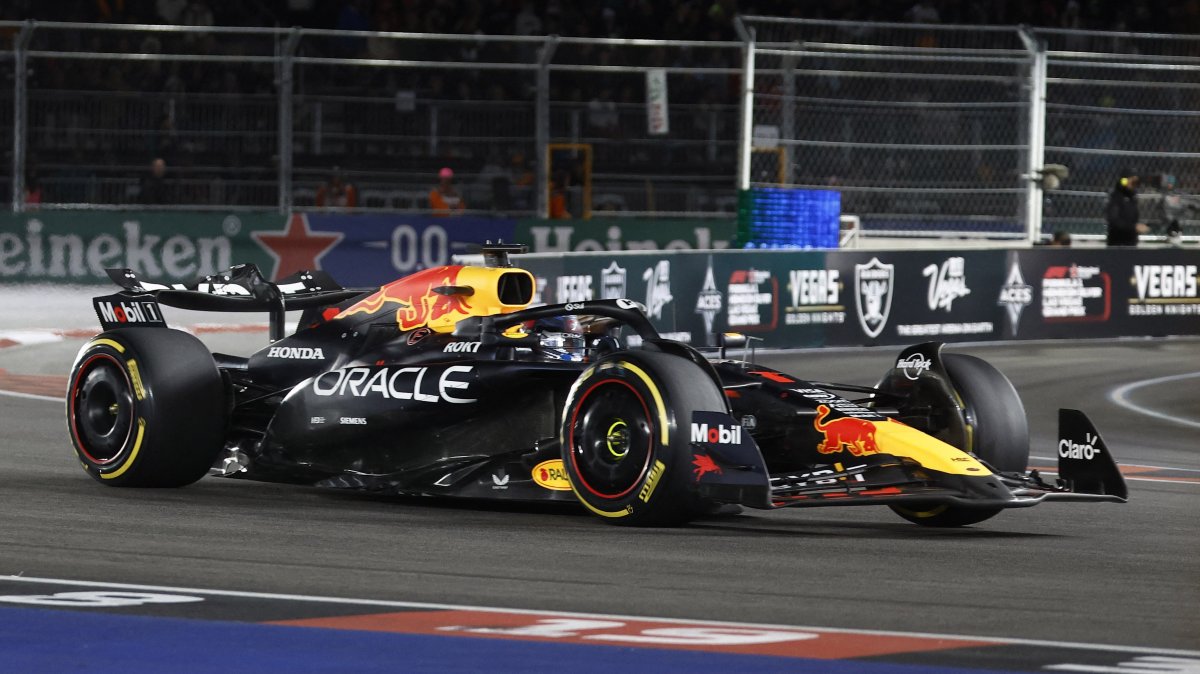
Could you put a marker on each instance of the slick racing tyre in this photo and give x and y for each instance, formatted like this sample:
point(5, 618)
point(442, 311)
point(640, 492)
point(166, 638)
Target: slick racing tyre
point(999, 434)
point(994, 410)
point(146, 407)
point(625, 438)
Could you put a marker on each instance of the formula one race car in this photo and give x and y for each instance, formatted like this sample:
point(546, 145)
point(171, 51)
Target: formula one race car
point(447, 383)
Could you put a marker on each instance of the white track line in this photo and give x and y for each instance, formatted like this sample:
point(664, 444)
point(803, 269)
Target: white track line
point(1137, 478)
point(30, 396)
point(1131, 465)
point(489, 609)
point(1120, 396)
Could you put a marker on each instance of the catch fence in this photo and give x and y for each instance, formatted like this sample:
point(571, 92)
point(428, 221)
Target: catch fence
point(933, 129)
point(922, 128)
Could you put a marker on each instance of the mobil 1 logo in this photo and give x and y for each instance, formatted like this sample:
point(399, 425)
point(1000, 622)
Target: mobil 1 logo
point(119, 311)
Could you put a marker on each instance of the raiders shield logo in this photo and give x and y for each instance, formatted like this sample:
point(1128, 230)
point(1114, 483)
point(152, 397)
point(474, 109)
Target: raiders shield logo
point(873, 284)
point(612, 282)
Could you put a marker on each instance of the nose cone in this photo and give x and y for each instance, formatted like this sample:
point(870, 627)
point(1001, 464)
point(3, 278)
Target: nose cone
point(898, 439)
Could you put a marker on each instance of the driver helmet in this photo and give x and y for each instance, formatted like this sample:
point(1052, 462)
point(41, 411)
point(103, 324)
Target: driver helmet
point(560, 338)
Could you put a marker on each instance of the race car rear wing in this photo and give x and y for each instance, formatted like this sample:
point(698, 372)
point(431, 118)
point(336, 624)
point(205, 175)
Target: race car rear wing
point(237, 289)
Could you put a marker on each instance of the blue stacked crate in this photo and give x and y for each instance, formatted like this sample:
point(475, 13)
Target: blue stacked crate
point(775, 217)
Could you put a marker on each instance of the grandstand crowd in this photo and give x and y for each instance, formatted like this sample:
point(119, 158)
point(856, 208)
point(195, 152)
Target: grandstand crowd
point(214, 124)
point(657, 19)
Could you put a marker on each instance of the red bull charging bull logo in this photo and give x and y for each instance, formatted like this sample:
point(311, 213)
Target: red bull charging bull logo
point(856, 435)
point(415, 302)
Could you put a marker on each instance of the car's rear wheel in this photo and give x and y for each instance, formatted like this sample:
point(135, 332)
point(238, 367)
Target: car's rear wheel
point(146, 407)
point(997, 432)
point(624, 437)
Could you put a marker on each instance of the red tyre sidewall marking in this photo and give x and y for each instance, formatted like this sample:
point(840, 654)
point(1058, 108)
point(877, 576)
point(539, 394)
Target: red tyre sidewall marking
point(79, 375)
point(571, 449)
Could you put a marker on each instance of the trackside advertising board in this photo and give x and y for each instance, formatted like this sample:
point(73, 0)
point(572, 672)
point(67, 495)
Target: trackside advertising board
point(813, 298)
point(76, 247)
point(359, 250)
point(787, 298)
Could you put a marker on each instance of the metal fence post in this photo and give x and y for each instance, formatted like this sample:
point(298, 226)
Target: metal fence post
point(286, 86)
point(746, 137)
point(788, 116)
point(542, 123)
point(1036, 150)
point(20, 112)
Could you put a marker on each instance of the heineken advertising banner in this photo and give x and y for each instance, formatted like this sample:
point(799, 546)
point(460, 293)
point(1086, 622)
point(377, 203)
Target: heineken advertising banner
point(358, 250)
point(373, 249)
point(76, 247)
point(608, 234)
point(813, 298)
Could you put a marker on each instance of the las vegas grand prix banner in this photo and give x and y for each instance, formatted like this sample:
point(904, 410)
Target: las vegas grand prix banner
point(814, 298)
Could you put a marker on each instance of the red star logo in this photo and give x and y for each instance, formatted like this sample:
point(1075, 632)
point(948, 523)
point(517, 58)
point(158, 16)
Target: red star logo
point(297, 247)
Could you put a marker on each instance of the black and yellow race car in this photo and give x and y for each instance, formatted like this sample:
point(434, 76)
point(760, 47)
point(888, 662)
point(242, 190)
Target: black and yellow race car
point(448, 383)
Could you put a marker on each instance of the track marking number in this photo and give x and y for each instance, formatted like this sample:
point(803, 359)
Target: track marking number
point(98, 599)
point(611, 631)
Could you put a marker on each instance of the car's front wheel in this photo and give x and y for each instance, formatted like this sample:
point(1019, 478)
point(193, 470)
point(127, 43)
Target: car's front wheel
point(998, 433)
point(624, 437)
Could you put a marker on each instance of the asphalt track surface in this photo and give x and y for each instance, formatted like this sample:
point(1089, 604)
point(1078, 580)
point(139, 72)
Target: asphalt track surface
point(1106, 574)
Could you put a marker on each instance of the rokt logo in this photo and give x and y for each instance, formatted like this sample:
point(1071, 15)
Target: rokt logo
point(461, 347)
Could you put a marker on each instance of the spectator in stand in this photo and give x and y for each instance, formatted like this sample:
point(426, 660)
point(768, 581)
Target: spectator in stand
point(337, 193)
point(521, 180)
point(1124, 221)
point(154, 186)
point(170, 11)
point(33, 190)
point(1061, 239)
point(444, 199)
point(558, 196)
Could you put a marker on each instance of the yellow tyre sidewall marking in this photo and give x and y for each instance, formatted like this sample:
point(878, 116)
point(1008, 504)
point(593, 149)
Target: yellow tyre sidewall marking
point(658, 400)
point(135, 376)
point(608, 438)
point(627, 510)
point(137, 446)
point(103, 341)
